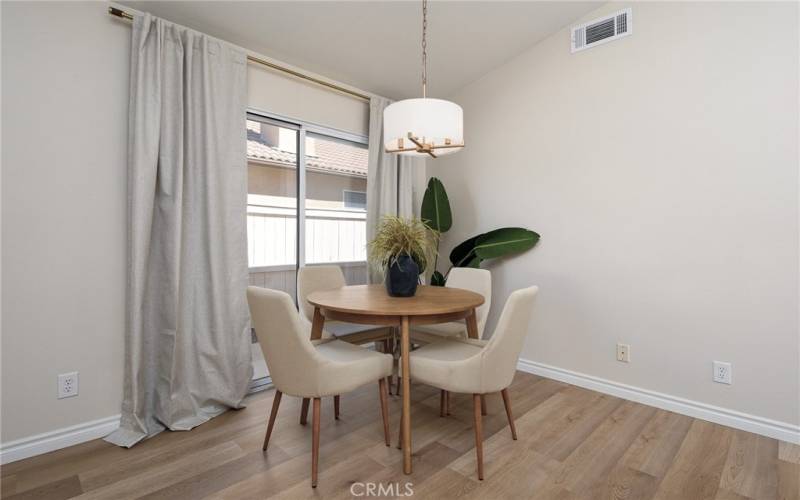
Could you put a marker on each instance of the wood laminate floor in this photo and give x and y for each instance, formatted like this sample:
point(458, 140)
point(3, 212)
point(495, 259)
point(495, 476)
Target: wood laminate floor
point(573, 444)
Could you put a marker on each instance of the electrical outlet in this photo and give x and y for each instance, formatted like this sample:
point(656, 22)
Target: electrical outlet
point(723, 372)
point(67, 385)
point(624, 353)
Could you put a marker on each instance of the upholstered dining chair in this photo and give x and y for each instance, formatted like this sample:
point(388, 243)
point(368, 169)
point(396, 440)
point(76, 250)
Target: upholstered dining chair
point(320, 278)
point(479, 367)
point(474, 280)
point(313, 370)
point(330, 277)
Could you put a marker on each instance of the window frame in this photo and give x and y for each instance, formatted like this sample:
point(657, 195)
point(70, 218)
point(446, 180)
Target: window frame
point(352, 191)
point(303, 128)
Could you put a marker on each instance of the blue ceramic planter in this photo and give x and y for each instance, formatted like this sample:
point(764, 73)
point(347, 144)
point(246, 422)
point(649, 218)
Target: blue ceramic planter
point(402, 277)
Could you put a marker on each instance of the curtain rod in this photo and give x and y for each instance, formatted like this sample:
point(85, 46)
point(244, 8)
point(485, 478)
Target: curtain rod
point(125, 15)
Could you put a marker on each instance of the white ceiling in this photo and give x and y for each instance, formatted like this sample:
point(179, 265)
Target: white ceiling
point(376, 45)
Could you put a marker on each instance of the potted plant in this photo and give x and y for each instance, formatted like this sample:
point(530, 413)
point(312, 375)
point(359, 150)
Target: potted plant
point(436, 214)
point(401, 250)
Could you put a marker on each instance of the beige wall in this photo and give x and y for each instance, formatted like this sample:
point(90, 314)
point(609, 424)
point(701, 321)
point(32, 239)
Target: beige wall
point(662, 173)
point(277, 181)
point(63, 212)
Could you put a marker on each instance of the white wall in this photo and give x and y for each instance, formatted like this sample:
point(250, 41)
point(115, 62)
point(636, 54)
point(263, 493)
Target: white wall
point(64, 126)
point(662, 173)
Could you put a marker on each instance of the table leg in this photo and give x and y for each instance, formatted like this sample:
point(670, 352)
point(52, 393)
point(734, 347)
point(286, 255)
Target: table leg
point(405, 348)
point(472, 325)
point(317, 324)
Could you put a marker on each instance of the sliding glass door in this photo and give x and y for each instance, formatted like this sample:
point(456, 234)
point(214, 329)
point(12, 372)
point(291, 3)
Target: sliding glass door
point(306, 205)
point(336, 205)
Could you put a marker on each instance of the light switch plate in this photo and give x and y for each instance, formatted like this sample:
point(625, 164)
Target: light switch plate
point(624, 353)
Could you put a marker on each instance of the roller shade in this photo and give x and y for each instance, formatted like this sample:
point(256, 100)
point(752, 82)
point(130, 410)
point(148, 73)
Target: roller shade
point(271, 91)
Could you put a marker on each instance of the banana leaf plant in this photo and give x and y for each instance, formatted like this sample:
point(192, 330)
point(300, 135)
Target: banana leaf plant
point(473, 251)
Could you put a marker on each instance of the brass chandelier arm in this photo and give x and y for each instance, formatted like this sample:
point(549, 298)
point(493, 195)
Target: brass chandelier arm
point(418, 150)
point(421, 146)
point(443, 146)
point(423, 150)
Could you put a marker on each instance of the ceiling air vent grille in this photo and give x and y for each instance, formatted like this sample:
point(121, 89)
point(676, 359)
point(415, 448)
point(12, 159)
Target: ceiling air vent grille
point(602, 30)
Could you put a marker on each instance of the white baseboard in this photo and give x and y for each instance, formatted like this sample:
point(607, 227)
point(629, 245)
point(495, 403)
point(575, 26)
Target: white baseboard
point(751, 423)
point(55, 440)
point(76, 434)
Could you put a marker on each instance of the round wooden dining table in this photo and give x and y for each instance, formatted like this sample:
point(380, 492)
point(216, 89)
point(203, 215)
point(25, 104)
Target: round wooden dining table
point(371, 305)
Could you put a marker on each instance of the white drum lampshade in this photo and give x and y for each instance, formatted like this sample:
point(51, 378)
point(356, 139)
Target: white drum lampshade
point(423, 126)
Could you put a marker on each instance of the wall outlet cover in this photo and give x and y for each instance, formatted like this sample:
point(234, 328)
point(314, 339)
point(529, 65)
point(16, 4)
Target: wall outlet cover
point(67, 385)
point(723, 372)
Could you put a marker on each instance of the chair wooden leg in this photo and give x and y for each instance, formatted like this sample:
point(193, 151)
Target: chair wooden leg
point(384, 410)
point(447, 403)
point(396, 370)
point(400, 433)
point(476, 407)
point(507, 403)
point(315, 442)
point(483, 404)
point(336, 407)
point(276, 402)
point(387, 349)
point(442, 400)
point(399, 360)
point(399, 391)
point(304, 412)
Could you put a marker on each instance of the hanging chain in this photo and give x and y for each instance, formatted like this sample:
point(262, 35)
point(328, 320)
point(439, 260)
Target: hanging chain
point(424, 47)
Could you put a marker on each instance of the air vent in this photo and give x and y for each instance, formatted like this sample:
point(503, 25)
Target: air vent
point(602, 30)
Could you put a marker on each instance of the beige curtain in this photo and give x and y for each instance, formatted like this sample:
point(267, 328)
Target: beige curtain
point(187, 343)
point(395, 183)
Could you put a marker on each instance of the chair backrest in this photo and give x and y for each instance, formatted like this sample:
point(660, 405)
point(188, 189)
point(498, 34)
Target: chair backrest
point(291, 358)
point(501, 353)
point(478, 281)
point(314, 279)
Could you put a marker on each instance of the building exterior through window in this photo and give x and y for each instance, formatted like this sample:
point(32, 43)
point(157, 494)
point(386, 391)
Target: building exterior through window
point(331, 193)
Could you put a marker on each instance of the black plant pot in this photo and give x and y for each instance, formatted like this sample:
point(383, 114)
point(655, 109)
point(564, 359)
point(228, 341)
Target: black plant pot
point(402, 277)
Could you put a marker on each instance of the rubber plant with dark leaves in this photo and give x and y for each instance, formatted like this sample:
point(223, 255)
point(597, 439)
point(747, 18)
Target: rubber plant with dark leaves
point(472, 252)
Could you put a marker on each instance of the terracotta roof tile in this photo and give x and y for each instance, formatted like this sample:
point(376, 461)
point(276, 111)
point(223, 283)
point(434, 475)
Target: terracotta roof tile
point(329, 156)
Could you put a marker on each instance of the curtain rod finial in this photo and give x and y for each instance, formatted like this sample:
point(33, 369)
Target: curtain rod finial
point(119, 13)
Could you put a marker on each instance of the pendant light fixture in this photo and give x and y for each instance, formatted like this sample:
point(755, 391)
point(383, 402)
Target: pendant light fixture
point(423, 126)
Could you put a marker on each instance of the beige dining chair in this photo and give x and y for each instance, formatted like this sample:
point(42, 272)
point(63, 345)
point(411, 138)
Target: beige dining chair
point(320, 278)
point(479, 367)
point(468, 278)
point(312, 370)
point(330, 277)
point(474, 280)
